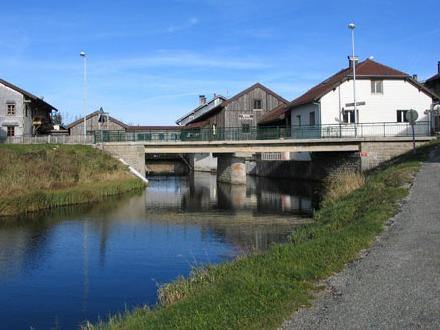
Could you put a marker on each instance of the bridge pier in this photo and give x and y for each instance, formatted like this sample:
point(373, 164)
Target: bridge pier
point(231, 169)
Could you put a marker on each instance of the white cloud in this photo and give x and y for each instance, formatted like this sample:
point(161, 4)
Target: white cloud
point(190, 23)
point(180, 59)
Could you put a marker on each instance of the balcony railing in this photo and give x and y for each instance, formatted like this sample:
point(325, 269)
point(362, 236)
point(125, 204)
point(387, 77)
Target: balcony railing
point(361, 130)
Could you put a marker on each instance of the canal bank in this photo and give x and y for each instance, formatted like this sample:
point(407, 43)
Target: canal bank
point(36, 177)
point(262, 290)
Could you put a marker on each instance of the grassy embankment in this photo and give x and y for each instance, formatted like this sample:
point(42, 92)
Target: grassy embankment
point(35, 177)
point(260, 291)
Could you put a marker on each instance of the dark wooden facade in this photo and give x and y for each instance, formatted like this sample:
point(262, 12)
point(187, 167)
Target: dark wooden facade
point(243, 109)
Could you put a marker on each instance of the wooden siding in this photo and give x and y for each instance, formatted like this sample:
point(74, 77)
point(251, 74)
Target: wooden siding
point(92, 125)
point(241, 111)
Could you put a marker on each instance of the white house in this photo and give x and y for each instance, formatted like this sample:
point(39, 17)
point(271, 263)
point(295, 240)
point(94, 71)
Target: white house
point(22, 113)
point(383, 96)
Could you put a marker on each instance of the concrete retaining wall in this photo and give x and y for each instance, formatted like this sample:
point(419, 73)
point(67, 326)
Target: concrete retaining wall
point(163, 167)
point(203, 162)
point(134, 155)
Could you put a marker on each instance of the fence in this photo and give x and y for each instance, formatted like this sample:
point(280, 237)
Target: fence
point(49, 139)
point(361, 130)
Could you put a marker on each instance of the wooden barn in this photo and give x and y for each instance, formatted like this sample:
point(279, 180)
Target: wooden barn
point(242, 111)
point(94, 122)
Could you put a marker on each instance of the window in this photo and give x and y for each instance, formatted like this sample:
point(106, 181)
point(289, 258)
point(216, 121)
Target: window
point(298, 120)
point(376, 86)
point(11, 131)
point(401, 116)
point(11, 109)
point(348, 116)
point(258, 104)
point(245, 128)
point(312, 118)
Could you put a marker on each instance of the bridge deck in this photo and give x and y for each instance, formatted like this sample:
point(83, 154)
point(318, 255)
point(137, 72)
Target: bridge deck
point(262, 146)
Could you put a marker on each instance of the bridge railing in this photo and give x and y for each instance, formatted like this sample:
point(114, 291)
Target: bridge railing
point(360, 130)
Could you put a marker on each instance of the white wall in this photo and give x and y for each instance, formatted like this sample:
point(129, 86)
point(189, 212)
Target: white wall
point(304, 111)
point(9, 95)
point(397, 95)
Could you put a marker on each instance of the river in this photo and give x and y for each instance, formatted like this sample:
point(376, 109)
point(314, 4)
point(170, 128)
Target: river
point(61, 267)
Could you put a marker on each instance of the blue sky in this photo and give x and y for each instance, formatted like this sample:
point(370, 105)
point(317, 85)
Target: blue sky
point(149, 60)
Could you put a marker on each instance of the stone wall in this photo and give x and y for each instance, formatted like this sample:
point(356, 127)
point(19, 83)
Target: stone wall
point(321, 164)
point(375, 153)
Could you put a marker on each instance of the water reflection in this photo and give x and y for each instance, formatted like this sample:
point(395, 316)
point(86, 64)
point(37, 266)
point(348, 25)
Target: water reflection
point(77, 263)
point(201, 192)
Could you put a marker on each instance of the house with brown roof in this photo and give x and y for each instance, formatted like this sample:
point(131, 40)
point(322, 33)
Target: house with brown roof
point(22, 113)
point(384, 94)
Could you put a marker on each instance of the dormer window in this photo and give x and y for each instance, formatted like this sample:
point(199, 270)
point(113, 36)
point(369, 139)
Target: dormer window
point(376, 86)
point(10, 109)
point(258, 104)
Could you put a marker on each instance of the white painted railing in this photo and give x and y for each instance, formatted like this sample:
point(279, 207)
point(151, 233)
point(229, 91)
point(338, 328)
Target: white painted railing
point(49, 139)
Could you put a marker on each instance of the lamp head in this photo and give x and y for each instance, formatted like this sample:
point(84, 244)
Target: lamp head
point(351, 26)
point(82, 54)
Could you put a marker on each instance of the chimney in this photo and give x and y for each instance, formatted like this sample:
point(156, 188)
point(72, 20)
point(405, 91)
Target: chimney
point(350, 62)
point(438, 66)
point(415, 77)
point(202, 99)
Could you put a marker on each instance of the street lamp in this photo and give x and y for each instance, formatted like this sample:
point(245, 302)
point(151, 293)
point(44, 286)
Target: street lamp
point(352, 27)
point(83, 55)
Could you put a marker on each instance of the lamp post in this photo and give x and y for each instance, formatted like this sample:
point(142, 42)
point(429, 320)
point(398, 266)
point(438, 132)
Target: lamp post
point(83, 55)
point(352, 26)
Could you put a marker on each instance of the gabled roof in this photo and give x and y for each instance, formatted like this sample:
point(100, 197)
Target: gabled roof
point(76, 122)
point(201, 106)
point(247, 90)
point(432, 79)
point(27, 94)
point(276, 114)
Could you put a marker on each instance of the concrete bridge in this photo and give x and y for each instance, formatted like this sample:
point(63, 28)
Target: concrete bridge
point(365, 153)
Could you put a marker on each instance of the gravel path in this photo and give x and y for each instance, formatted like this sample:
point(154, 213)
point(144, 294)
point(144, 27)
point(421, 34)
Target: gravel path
point(397, 284)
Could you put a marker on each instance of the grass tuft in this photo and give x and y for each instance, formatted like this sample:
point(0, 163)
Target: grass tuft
point(342, 182)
